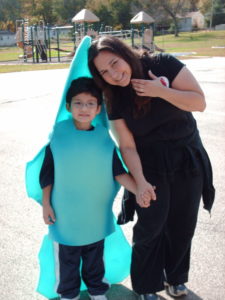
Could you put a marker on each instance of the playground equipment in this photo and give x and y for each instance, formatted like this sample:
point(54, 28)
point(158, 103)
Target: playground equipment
point(46, 43)
point(143, 37)
point(32, 40)
point(40, 41)
point(84, 24)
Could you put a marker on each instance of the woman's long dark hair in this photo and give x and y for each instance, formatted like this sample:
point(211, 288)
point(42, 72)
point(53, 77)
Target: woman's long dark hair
point(132, 57)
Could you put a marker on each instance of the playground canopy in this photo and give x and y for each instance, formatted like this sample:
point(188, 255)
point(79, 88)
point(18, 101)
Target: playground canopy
point(85, 15)
point(142, 18)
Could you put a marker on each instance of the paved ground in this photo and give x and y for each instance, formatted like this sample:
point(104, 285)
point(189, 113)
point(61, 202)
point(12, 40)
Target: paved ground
point(28, 102)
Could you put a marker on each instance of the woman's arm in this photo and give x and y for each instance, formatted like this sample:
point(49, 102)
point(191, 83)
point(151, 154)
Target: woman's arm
point(131, 158)
point(185, 92)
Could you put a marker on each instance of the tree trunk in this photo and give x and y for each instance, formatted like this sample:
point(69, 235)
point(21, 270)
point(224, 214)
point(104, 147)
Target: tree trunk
point(173, 15)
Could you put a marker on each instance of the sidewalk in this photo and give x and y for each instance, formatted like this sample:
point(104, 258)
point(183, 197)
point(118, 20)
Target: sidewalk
point(28, 103)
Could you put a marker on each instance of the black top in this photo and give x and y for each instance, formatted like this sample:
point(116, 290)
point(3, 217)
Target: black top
point(47, 170)
point(163, 121)
point(166, 137)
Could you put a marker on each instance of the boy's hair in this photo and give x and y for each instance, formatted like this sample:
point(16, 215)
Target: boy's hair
point(83, 85)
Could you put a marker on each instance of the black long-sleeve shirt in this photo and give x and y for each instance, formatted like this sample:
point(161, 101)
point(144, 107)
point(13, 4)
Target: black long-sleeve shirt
point(47, 170)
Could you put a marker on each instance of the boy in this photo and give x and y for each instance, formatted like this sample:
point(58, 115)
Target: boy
point(70, 193)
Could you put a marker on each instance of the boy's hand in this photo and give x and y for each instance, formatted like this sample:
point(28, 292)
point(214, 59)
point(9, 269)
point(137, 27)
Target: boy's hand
point(145, 196)
point(48, 214)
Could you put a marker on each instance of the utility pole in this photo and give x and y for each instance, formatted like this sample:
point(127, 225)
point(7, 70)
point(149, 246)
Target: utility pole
point(211, 18)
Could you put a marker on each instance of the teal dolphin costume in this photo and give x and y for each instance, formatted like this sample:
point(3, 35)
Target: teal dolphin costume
point(83, 200)
point(117, 254)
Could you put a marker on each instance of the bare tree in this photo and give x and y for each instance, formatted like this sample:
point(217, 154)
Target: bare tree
point(194, 4)
point(173, 8)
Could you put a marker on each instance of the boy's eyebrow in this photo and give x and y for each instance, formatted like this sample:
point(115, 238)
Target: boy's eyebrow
point(89, 98)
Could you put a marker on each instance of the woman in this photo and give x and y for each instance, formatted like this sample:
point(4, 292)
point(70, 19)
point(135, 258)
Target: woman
point(160, 144)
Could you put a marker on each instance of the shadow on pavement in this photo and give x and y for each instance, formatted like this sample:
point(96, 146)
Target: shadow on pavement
point(191, 296)
point(116, 292)
point(120, 292)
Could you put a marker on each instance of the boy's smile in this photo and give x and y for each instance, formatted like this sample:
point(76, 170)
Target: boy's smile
point(84, 107)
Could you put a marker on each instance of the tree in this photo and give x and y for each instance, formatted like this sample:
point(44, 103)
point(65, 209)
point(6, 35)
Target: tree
point(101, 8)
point(10, 11)
point(112, 12)
point(67, 9)
point(218, 12)
point(214, 11)
point(173, 8)
point(194, 5)
point(45, 9)
point(121, 13)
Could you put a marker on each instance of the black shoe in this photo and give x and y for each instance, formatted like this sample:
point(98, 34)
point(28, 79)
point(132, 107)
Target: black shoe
point(176, 290)
point(149, 297)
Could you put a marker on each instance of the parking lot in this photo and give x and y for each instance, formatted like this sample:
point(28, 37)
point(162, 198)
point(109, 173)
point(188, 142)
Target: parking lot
point(28, 104)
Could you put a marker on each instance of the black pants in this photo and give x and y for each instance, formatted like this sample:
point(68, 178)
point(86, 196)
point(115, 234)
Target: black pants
point(92, 269)
point(163, 233)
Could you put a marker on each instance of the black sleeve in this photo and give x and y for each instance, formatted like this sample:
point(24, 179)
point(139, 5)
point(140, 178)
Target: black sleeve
point(162, 64)
point(118, 168)
point(172, 66)
point(167, 65)
point(114, 110)
point(46, 176)
point(114, 115)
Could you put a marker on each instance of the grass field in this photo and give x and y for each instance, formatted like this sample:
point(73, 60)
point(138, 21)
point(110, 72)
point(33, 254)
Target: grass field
point(196, 44)
point(204, 43)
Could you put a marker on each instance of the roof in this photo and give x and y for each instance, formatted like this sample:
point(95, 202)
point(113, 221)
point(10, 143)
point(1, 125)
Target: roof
point(189, 15)
point(142, 17)
point(85, 15)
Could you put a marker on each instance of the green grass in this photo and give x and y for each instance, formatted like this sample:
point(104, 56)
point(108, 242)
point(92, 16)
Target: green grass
point(32, 67)
point(10, 53)
point(13, 53)
point(201, 43)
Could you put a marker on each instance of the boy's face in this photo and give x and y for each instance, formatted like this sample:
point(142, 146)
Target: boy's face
point(84, 107)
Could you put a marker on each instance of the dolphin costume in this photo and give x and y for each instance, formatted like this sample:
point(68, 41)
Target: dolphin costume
point(117, 254)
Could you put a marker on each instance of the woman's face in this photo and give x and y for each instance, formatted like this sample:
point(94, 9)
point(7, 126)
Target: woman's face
point(113, 69)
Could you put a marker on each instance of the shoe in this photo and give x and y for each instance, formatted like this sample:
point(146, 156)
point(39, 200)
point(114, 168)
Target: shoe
point(98, 297)
point(76, 298)
point(176, 290)
point(149, 297)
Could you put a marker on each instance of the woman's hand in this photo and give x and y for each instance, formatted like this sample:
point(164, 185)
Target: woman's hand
point(184, 92)
point(149, 88)
point(145, 194)
point(48, 214)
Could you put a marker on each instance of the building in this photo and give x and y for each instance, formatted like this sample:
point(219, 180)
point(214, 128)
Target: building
point(7, 38)
point(191, 20)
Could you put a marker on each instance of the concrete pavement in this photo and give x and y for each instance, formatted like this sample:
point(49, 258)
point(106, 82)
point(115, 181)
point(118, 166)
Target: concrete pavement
point(28, 103)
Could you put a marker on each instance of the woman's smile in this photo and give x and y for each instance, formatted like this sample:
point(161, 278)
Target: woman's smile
point(113, 69)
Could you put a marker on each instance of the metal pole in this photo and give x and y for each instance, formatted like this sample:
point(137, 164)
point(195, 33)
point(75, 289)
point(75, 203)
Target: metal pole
point(212, 9)
point(74, 37)
point(36, 43)
point(45, 42)
point(49, 43)
point(23, 41)
point(32, 42)
point(57, 31)
point(142, 34)
point(132, 36)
